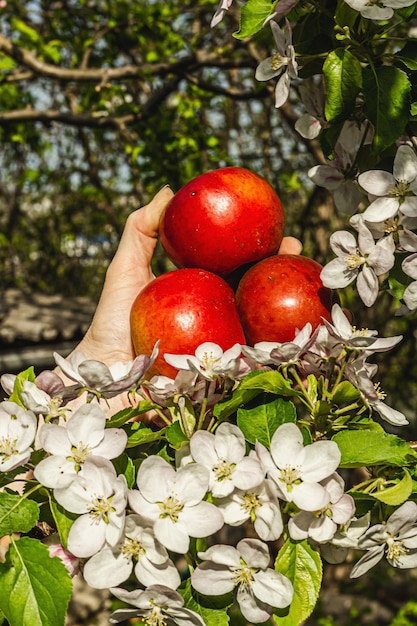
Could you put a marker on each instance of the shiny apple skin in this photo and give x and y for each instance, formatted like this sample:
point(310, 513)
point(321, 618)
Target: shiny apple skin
point(279, 295)
point(221, 220)
point(182, 309)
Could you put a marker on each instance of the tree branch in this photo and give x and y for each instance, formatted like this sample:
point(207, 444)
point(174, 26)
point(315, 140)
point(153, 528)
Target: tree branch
point(101, 75)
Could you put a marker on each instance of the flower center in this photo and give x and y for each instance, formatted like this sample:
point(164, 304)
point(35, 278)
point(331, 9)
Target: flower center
point(395, 550)
point(155, 617)
point(7, 447)
point(54, 407)
point(132, 548)
point(390, 226)
point(79, 455)
point(250, 503)
point(100, 508)
point(360, 332)
point(353, 261)
point(208, 361)
point(379, 392)
point(171, 507)
point(223, 470)
point(290, 476)
point(243, 576)
point(400, 190)
point(278, 61)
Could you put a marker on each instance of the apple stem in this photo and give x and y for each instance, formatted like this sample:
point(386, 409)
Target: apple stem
point(163, 417)
point(305, 397)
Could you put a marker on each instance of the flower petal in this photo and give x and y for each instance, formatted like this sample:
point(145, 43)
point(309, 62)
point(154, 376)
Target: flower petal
point(273, 588)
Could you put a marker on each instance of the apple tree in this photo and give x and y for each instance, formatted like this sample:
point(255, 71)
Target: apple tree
point(293, 443)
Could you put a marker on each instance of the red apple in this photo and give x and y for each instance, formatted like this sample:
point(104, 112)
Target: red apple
point(183, 309)
point(221, 220)
point(279, 295)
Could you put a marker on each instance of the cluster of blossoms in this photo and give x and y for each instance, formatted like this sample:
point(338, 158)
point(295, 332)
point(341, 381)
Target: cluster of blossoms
point(387, 226)
point(137, 528)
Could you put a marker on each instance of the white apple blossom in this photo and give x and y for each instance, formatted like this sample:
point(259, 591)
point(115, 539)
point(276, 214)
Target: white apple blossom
point(359, 339)
point(173, 502)
point(40, 402)
point(282, 63)
point(155, 606)
point(17, 433)
point(298, 470)
point(409, 267)
point(401, 227)
point(324, 346)
point(137, 550)
point(322, 525)
point(71, 445)
point(358, 374)
point(209, 360)
point(187, 384)
point(71, 562)
point(281, 9)
point(313, 97)
point(101, 380)
point(378, 9)
point(224, 6)
point(161, 388)
point(259, 588)
point(363, 260)
point(395, 193)
point(273, 353)
point(224, 455)
point(396, 538)
point(7, 381)
point(99, 497)
point(345, 538)
point(260, 505)
point(339, 174)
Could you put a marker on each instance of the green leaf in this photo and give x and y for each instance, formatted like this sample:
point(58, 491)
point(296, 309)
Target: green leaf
point(364, 502)
point(129, 414)
point(251, 386)
point(212, 609)
point(387, 104)
point(140, 434)
point(260, 422)
point(32, 34)
point(175, 435)
point(63, 520)
point(343, 78)
point(28, 374)
point(252, 17)
point(182, 410)
point(34, 588)
point(271, 381)
point(124, 465)
point(50, 50)
point(345, 393)
point(299, 562)
point(223, 410)
point(408, 55)
point(17, 514)
point(397, 494)
point(369, 447)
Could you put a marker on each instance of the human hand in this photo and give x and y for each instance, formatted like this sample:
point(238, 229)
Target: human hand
point(108, 338)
